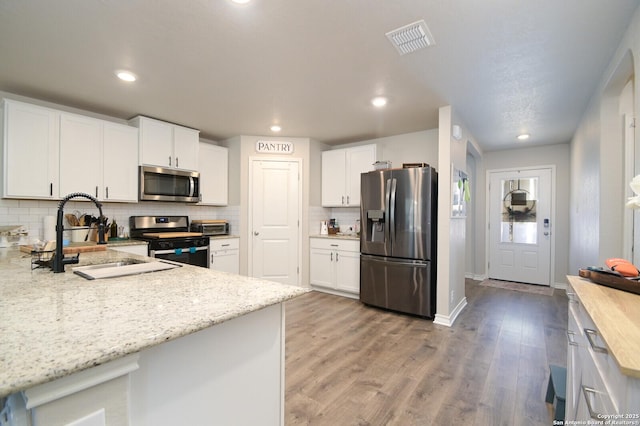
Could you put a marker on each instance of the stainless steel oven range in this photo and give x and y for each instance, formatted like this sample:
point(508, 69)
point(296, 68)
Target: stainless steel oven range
point(169, 238)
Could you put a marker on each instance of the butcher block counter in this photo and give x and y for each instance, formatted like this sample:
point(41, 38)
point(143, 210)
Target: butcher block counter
point(59, 325)
point(616, 314)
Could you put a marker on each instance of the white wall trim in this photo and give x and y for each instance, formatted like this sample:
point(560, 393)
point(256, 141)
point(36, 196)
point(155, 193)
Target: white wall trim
point(448, 320)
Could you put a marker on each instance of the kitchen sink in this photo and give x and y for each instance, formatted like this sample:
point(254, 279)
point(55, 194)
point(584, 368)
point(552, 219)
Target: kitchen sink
point(123, 268)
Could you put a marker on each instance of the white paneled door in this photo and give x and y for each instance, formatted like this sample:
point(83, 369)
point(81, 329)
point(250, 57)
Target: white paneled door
point(275, 220)
point(520, 225)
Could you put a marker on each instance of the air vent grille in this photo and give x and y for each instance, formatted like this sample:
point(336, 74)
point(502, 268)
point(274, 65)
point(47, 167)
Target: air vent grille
point(411, 37)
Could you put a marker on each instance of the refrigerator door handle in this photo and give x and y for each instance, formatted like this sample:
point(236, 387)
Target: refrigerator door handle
point(392, 211)
point(387, 206)
point(394, 261)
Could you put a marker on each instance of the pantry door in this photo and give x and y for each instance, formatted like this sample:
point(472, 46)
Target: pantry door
point(520, 225)
point(275, 210)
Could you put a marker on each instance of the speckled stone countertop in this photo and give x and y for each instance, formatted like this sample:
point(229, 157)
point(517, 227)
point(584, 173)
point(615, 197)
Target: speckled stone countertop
point(337, 236)
point(52, 325)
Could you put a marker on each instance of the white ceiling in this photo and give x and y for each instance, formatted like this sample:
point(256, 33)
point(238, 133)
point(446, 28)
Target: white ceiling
point(313, 65)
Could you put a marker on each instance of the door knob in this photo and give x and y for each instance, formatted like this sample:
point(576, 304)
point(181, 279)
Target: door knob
point(256, 233)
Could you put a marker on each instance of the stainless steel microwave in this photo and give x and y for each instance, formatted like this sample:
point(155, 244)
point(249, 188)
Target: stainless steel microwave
point(163, 184)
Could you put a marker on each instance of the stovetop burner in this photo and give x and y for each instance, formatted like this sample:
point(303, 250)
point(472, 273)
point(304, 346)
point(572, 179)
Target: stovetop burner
point(166, 232)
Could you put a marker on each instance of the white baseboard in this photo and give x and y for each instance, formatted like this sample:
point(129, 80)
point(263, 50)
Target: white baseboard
point(560, 286)
point(448, 320)
point(475, 277)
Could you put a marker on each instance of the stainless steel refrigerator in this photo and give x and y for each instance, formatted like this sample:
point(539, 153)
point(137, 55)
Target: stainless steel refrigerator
point(398, 212)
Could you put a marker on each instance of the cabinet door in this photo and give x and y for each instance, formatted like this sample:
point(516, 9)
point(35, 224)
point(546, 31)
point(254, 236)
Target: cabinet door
point(156, 142)
point(226, 261)
point(347, 266)
point(120, 163)
point(185, 148)
point(31, 151)
point(213, 165)
point(80, 155)
point(358, 160)
point(333, 178)
point(321, 267)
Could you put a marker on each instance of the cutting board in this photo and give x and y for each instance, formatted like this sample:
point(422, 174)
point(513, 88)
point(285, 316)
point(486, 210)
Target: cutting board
point(171, 234)
point(79, 248)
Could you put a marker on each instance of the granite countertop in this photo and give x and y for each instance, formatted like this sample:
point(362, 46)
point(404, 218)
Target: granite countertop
point(337, 236)
point(52, 325)
point(616, 314)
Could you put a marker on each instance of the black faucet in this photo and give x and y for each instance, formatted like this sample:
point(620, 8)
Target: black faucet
point(58, 259)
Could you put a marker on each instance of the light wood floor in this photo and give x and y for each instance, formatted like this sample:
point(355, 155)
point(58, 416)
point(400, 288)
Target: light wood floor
point(349, 364)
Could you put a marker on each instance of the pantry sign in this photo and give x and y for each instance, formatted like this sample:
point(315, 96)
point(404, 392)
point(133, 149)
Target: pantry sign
point(274, 147)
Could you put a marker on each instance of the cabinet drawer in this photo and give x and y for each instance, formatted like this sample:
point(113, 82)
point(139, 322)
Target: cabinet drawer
point(224, 244)
point(593, 392)
point(335, 244)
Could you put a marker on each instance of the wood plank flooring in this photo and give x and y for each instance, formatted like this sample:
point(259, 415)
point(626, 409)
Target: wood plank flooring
point(349, 364)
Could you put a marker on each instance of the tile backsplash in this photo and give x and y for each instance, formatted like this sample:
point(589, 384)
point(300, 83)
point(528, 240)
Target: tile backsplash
point(31, 213)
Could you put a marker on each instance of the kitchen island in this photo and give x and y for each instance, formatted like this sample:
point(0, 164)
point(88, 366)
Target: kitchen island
point(182, 346)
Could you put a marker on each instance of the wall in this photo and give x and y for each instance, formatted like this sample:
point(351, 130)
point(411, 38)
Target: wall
point(451, 231)
point(558, 156)
point(597, 178)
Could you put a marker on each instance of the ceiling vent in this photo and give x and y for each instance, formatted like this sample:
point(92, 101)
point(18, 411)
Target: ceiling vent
point(411, 37)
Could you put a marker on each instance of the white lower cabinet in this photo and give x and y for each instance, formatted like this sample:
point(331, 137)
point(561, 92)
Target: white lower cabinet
point(97, 396)
point(225, 254)
point(596, 388)
point(335, 266)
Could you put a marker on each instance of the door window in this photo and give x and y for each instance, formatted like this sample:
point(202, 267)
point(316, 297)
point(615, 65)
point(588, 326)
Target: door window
point(518, 220)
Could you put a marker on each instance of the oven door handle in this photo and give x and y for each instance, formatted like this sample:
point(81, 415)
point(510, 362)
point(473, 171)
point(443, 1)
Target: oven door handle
point(185, 250)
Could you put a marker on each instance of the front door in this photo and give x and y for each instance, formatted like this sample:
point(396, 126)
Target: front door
point(520, 225)
point(275, 220)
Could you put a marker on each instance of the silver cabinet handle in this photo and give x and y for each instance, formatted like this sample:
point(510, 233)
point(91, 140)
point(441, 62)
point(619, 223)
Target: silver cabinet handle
point(585, 391)
point(177, 162)
point(591, 334)
point(347, 200)
point(343, 200)
point(256, 233)
point(337, 257)
point(570, 335)
point(106, 190)
point(332, 256)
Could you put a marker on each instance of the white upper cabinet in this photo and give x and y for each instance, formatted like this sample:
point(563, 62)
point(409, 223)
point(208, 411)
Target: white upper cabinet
point(99, 158)
point(167, 145)
point(80, 155)
point(30, 151)
point(213, 165)
point(341, 169)
point(120, 153)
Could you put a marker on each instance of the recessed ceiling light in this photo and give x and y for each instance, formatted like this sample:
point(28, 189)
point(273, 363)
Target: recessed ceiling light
point(275, 128)
point(126, 75)
point(523, 137)
point(240, 1)
point(379, 101)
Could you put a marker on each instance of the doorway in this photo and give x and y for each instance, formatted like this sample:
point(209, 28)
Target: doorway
point(275, 210)
point(520, 225)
